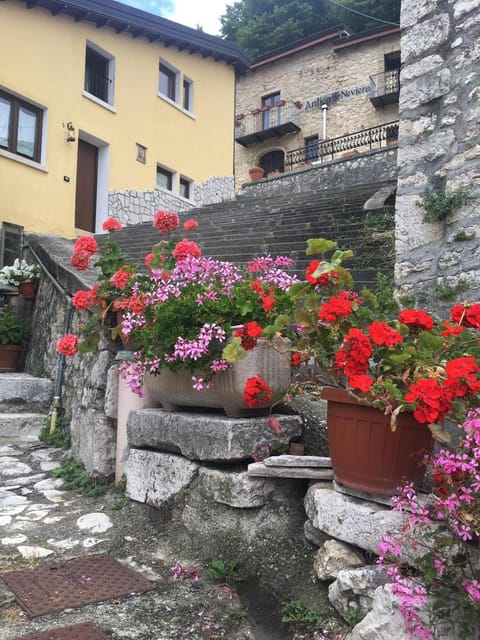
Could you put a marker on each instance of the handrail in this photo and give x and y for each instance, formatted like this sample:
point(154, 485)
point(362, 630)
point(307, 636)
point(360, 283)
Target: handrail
point(326, 150)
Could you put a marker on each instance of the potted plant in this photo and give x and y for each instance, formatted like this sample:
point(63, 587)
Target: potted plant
point(22, 275)
point(199, 326)
point(394, 375)
point(256, 173)
point(14, 334)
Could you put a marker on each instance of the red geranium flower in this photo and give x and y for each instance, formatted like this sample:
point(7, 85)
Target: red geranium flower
point(189, 225)
point(111, 224)
point(297, 359)
point(383, 335)
point(85, 243)
point(257, 392)
point(166, 221)
point(186, 248)
point(352, 358)
point(432, 403)
point(148, 259)
point(334, 309)
point(80, 260)
point(466, 314)
point(324, 279)
point(120, 278)
point(416, 318)
point(451, 329)
point(362, 382)
point(67, 345)
point(83, 300)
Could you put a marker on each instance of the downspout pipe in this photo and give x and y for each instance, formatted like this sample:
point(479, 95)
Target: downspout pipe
point(66, 327)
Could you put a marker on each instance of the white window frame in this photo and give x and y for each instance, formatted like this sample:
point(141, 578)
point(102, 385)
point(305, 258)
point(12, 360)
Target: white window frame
point(43, 134)
point(187, 81)
point(176, 73)
point(109, 103)
point(190, 187)
point(173, 174)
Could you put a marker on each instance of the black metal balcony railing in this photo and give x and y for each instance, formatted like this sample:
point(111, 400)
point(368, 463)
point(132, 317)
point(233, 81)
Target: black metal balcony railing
point(358, 142)
point(267, 122)
point(385, 88)
point(97, 84)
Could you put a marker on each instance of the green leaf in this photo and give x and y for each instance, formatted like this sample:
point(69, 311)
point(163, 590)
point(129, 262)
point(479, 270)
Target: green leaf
point(431, 341)
point(319, 245)
point(234, 351)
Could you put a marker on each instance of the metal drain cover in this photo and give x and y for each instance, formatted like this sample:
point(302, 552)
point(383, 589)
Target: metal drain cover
point(86, 631)
point(74, 583)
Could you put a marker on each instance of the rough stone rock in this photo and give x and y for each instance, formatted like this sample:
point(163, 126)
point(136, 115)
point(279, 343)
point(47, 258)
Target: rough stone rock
point(31, 552)
point(207, 436)
point(355, 588)
point(16, 388)
point(98, 373)
point(313, 535)
point(426, 88)
point(425, 36)
point(351, 520)
point(156, 478)
point(314, 416)
point(12, 468)
point(334, 556)
point(236, 489)
point(111, 393)
point(94, 442)
point(7, 597)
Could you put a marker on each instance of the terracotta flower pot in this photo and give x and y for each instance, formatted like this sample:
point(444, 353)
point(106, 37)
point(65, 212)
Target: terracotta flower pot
point(9, 357)
point(366, 454)
point(256, 173)
point(28, 289)
point(173, 390)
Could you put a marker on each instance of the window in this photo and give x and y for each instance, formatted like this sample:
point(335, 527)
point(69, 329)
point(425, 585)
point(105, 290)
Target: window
point(20, 126)
point(164, 178)
point(99, 69)
point(185, 188)
point(271, 114)
point(168, 81)
point(311, 148)
point(187, 94)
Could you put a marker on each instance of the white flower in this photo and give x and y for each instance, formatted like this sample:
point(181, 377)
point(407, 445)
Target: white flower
point(19, 272)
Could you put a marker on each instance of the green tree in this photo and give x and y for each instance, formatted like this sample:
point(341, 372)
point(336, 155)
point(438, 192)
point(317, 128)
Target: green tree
point(263, 25)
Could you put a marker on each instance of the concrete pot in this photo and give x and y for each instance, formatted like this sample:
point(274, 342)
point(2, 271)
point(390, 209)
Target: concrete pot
point(174, 390)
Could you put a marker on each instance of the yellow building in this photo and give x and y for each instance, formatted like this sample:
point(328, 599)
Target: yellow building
point(98, 98)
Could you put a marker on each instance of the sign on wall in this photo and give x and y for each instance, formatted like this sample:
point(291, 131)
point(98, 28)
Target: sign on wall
point(335, 96)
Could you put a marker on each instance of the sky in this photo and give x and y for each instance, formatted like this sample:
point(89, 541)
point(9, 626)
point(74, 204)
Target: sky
point(187, 12)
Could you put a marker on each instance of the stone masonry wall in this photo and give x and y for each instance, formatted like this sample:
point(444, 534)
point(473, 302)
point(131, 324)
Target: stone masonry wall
point(133, 207)
point(303, 77)
point(439, 148)
point(375, 166)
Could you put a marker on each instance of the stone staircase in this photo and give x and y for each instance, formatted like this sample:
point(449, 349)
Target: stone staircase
point(243, 228)
point(24, 404)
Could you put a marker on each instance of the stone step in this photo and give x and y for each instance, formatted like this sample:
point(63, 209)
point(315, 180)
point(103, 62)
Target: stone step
point(259, 469)
point(21, 392)
point(23, 427)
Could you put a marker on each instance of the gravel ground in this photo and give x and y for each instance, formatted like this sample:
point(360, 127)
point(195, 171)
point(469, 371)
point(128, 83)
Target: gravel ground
point(42, 522)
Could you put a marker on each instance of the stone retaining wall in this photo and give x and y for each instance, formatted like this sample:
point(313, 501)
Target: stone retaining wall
point(133, 207)
point(371, 167)
point(437, 264)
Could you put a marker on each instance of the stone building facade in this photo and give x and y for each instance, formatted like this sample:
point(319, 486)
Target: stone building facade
point(325, 86)
point(439, 151)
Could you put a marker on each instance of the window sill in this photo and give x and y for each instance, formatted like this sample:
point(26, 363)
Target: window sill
point(171, 102)
point(101, 103)
point(22, 160)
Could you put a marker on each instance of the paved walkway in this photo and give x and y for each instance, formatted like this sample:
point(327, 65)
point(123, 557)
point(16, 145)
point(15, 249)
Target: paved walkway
point(41, 522)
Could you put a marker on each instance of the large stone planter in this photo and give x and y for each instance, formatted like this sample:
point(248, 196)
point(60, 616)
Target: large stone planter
point(174, 390)
point(366, 454)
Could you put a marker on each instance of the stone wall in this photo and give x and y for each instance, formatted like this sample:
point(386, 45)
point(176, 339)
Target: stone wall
point(371, 167)
point(305, 76)
point(439, 133)
point(86, 382)
point(134, 207)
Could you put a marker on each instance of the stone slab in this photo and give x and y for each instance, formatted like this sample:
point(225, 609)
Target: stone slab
point(155, 478)
point(21, 426)
point(235, 488)
point(209, 436)
point(297, 461)
point(357, 522)
point(23, 392)
point(301, 473)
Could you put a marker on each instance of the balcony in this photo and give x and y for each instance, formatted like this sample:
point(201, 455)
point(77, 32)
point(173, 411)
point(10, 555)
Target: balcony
point(343, 146)
point(385, 88)
point(267, 122)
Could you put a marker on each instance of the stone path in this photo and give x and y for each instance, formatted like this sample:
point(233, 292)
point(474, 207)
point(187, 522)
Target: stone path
point(40, 521)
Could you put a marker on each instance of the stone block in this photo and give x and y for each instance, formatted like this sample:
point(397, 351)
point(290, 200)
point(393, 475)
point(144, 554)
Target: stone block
point(425, 36)
point(423, 90)
point(236, 489)
point(334, 556)
point(93, 442)
point(384, 622)
point(207, 436)
point(23, 392)
point(356, 522)
point(355, 588)
point(111, 393)
point(24, 426)
point(156, 478)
